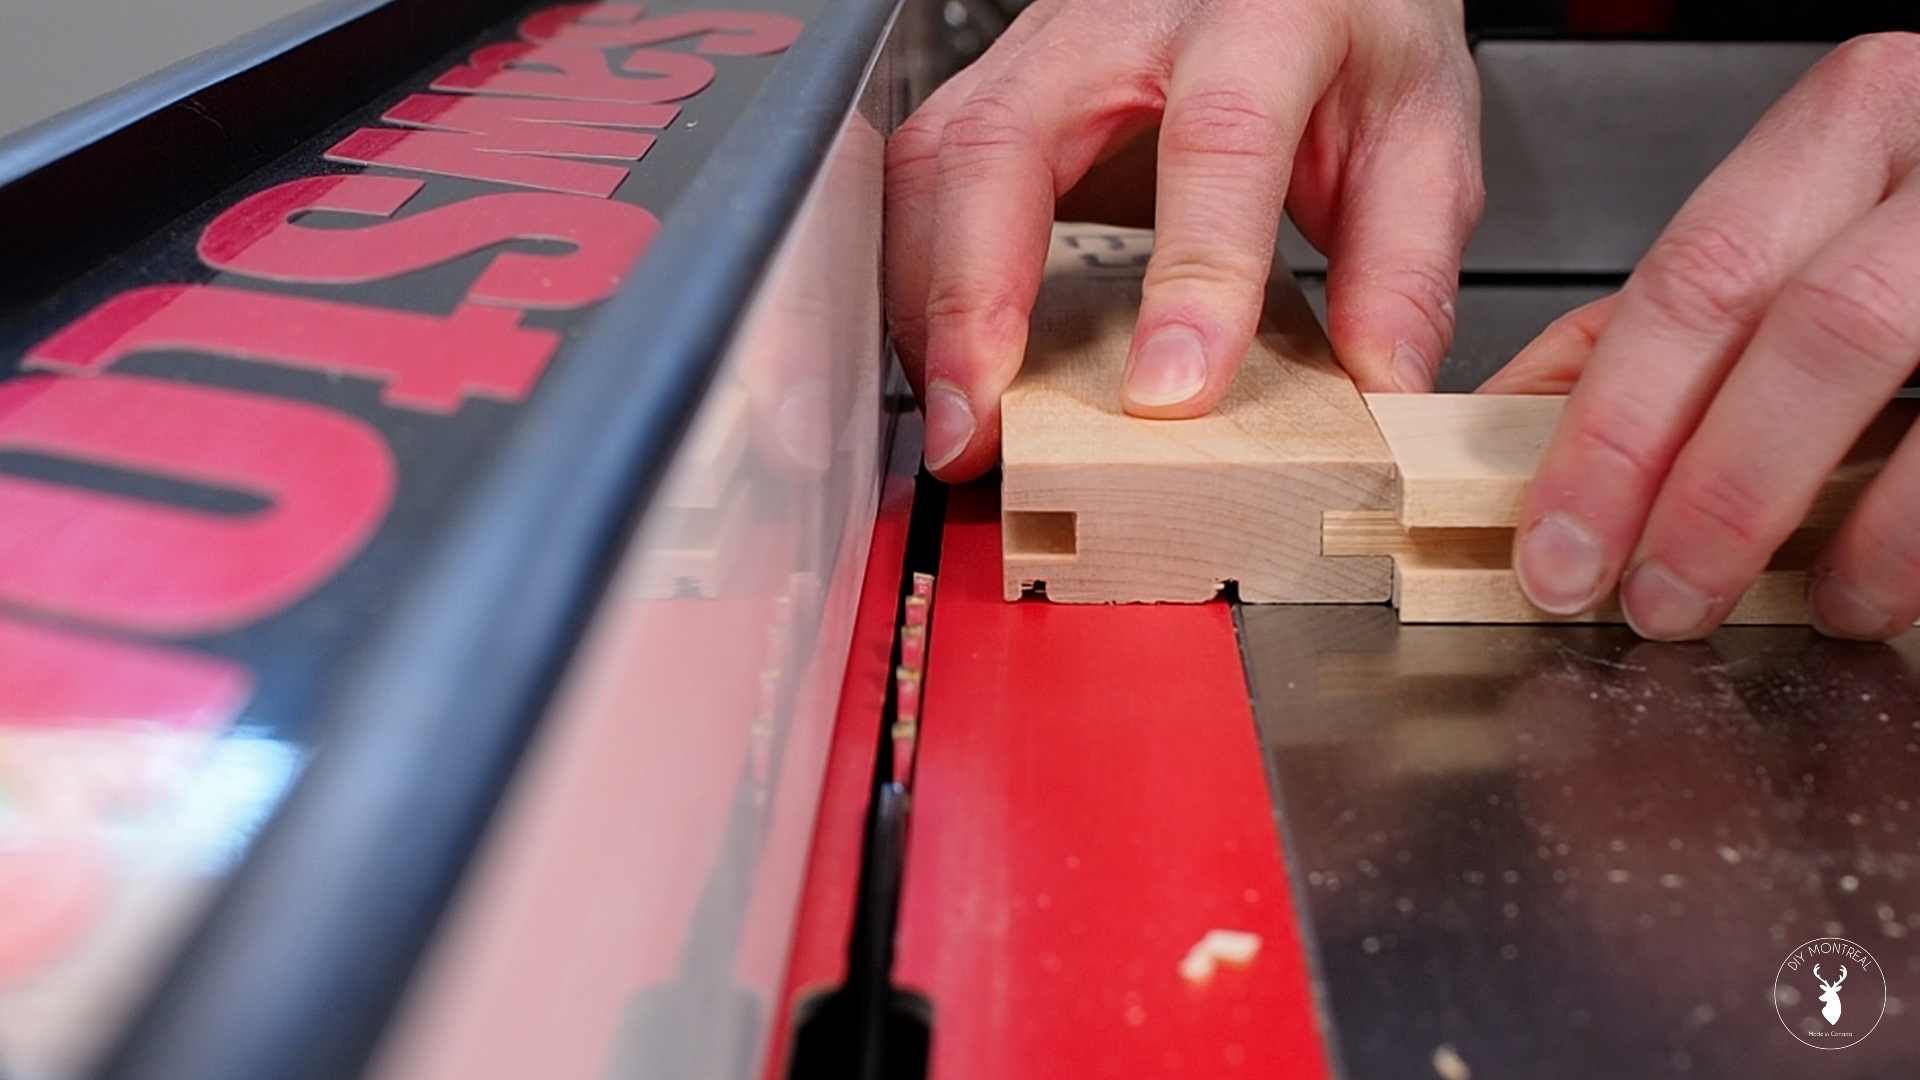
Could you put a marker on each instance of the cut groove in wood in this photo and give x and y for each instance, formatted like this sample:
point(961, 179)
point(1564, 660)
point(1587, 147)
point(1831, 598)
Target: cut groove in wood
point(1379, 532)
point(1040, 534)
point(1461, 575)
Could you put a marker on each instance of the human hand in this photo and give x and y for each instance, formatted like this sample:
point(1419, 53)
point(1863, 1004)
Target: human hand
point(1360, 116)
point(1767, 326)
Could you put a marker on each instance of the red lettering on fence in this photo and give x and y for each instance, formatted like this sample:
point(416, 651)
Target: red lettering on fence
point(579, 73)
point(511, 140)
point(145, 566)
point(728, 33)
point(257, 237)
point(428, 362)
point(57, 678)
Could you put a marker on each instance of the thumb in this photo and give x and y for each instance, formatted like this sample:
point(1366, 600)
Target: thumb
point(1552, 362)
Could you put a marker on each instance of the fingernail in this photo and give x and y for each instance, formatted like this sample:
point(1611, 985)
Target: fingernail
point(1662, 605)
point(1559, 564)
point(1169, 369)
point(1840, 612)
point(1410, 371)
point(804, 426)
point(949, 425)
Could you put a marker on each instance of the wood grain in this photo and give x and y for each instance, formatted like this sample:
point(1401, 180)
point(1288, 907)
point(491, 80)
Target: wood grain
point(1099, 506)
point(1466, 459)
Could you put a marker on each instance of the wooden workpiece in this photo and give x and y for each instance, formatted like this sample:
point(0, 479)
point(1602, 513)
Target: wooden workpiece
point(1463, 463)
point(1464, 460)
point(1297, 488)
point(1102, 506)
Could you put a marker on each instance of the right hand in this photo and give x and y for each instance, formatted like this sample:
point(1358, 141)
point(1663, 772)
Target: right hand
point(1713, 396)
point(1359, 116)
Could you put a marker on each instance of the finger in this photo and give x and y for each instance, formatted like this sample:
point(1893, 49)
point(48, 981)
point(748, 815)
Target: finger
point(1016, 142)
point(1393, 271)
point(1840, 338)
point(1817, 160)
point(1867, 583)
point(1237, 102)
point(912, 174)
point(912, 189)
point(1552, 362)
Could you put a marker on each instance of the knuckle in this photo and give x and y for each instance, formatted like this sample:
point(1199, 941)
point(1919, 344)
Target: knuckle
point(960, 303)
point(1725, 512)
point(1866, 86)
point(947, 302)
point(993, 121)
point(1221, 121)
point(1418, 286)
point(915, 144)
point(1427, 286)
point(1853, 312)
point(1472, 200)
point(1618, 447)
point(1873, 61)
point(1705, 275)
point(1891, 549)
point(1218, 272)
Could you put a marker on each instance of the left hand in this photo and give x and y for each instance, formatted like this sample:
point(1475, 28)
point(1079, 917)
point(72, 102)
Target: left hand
point(1716, 392)
point(1359, 116)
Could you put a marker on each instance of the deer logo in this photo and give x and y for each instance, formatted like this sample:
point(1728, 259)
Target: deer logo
point(1830, 993)
point(1822, 1026)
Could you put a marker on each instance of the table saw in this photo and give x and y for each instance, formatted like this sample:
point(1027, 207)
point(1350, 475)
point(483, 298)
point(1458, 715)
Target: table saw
point(471, 608)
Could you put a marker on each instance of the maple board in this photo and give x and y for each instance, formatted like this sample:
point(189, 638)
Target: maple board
point(1100, 506)
point(1297, 488)
point(1465, 459)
